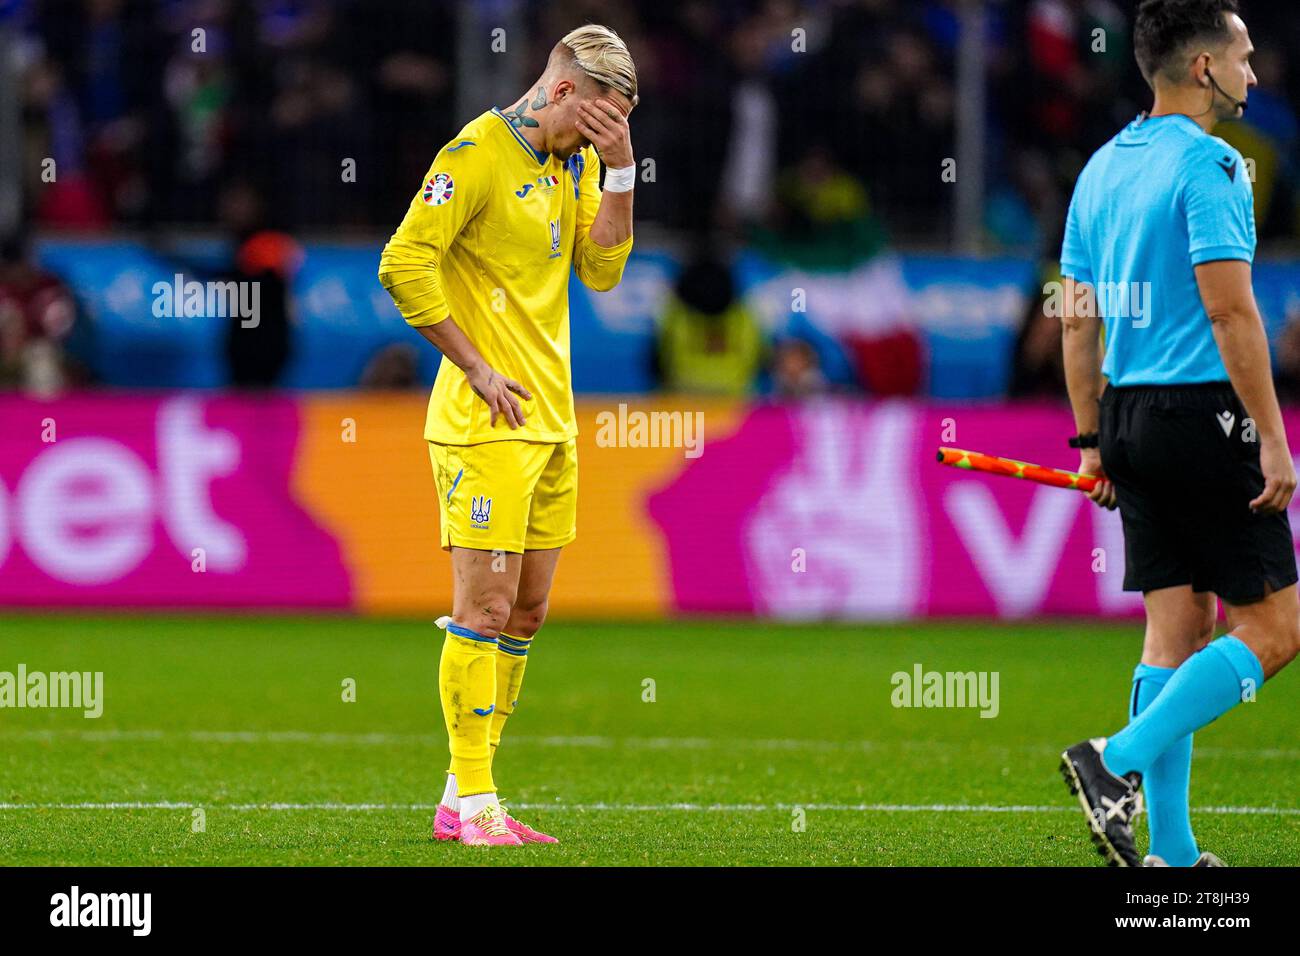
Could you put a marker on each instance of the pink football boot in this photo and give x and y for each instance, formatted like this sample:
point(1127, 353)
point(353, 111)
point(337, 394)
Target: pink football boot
point(526, 833)
point(488, 828)
point(446, 824)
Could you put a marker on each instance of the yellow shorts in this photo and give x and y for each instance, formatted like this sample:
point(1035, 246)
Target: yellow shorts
point(507, 495)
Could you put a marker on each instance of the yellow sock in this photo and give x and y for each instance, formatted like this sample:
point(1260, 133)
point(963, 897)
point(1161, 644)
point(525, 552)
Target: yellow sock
point(467, 679)
point(512, 658)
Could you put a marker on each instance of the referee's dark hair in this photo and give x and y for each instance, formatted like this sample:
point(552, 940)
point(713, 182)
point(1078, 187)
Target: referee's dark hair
point(1165, 28)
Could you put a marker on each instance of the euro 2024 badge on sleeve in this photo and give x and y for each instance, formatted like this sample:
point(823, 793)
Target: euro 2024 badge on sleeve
point(438, 190)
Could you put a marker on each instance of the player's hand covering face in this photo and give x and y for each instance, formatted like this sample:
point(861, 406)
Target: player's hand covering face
point(604, 123)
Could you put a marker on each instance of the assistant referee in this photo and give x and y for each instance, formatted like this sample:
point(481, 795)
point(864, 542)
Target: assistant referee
point(1181, 417)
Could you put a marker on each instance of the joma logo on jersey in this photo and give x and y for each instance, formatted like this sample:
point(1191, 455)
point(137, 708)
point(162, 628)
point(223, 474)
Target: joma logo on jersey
point(555, 238)
point(544, 183)
point(480, 511)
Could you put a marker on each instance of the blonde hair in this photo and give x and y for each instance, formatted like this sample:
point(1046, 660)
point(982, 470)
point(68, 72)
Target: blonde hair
point(601, 53)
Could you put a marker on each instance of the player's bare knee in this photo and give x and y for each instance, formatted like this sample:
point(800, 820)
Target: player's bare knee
point(495, 613)
point(488, 617)
point(527, 620)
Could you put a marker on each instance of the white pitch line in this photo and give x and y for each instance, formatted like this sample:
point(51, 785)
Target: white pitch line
point(623, 807)
point(381, 738)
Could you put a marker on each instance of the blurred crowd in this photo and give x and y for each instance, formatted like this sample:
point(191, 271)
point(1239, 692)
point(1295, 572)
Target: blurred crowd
point(814, 128)
point(155, 110)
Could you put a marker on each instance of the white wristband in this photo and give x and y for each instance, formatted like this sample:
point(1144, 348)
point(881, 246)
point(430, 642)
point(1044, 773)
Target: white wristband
point(620, 180)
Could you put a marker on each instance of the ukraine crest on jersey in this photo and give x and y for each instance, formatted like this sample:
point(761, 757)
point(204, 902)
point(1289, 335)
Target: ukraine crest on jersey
point(480, 511)
point(555, 238)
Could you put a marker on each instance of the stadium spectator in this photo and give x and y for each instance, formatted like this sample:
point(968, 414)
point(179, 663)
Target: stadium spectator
point(822, 217)
point(394, 368)
point(258, 350)
point(37, 314)
point(748, 172)
point(60, 190)
point(796, 370)
point(1267, 136)
point(709, 340)
point(1038, 369)
point(1286, 358)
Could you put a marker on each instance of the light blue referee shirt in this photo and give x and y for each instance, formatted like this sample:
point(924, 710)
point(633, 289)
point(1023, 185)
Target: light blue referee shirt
point(1161, 197)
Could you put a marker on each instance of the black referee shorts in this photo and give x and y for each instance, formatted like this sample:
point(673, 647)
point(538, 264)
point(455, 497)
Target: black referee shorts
point(1185, 470)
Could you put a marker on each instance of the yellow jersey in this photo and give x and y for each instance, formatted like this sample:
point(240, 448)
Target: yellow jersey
point(489, 240)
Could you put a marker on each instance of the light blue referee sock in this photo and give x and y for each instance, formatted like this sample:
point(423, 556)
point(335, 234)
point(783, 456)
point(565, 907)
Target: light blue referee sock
point(1206, 686)
point(1166, 784)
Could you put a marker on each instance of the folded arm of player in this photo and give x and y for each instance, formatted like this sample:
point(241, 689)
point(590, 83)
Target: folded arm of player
point(1229, 301)
point(604, 233)
point(1081, 353)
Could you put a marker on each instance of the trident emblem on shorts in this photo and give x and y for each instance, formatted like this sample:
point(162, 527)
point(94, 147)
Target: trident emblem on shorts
point(480, 510)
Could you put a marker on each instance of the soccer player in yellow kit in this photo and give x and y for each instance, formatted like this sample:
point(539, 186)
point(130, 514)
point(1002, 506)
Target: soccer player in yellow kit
point(480, 267)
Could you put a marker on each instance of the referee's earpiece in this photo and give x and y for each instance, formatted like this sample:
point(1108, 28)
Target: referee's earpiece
point(1206, 79)
point(1239, 104)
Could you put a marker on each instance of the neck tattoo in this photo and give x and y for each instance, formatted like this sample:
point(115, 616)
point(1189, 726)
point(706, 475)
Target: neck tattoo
point(518, 117)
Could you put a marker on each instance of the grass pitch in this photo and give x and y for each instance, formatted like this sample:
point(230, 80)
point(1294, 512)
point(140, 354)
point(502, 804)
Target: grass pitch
point(764, 744)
